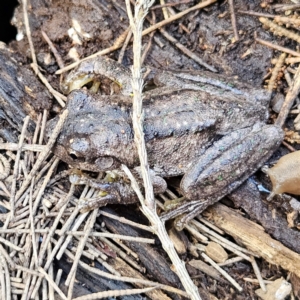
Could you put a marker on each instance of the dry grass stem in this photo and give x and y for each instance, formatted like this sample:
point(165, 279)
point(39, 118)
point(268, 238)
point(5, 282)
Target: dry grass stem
point(277, 47)
point(233, 20)
point(4, 266)
point(52, 283)
point(125, 221)
point(196, 234)
point(28, 32)
point(32, 227)
point(2, 282)
point(58, 96)
point(44, 153)
point(289, 99)
point(75, 226)
point(178, 16)
point(53, 49)
point(231, 261)
point(186, 51)
point(256, 14)
point(210, 225)
point(121, 253)
point(148, 204)
point(54, 226)
point(34, 65)
point(125, 279)
point(87, 229)
point(126, 42)
point(113, 236)
point(25, 147)
point(13, 197)
point(231, 248)
point(115, 293)
point(258, 274)
point(203, 228)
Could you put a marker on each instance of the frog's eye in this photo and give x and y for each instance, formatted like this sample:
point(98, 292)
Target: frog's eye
point(104, 163)
point(79, 145)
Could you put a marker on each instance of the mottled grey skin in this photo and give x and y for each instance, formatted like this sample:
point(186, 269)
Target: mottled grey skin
point(216, 140)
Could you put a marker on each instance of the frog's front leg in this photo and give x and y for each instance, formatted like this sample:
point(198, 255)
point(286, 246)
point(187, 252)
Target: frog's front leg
point(115, 188)
point(226, 165)
point(90, 70)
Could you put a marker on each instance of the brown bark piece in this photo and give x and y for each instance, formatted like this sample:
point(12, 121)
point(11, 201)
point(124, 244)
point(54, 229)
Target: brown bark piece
point(254, 238)
point(216, 252)
point(125, 270)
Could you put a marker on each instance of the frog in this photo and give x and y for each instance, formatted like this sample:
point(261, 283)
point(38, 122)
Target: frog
point(208, 128)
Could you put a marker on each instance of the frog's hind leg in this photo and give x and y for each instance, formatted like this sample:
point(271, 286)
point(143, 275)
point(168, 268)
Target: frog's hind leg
point(230, 161)
point(225, 166)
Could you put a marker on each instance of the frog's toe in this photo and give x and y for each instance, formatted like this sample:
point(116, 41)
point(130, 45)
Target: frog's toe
point(86, 205)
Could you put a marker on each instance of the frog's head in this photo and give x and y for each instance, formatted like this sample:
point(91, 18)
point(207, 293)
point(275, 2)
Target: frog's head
point(78, 153)
point(96, 135)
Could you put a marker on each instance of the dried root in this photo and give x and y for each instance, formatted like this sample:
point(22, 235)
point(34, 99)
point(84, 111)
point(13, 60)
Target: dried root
point(276, 70)
point(279, 30)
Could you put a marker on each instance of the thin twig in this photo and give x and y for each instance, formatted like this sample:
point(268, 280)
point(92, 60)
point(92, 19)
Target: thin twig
point(122, 51)
point(113, 236)
point(277, 47)
point(43, 126)
point(28, 32)
point(121, 253)
point(178, 16)
point(258, 274)
point(125, 221)
point(289, 99)
point(256, 14)
point(148, 204)
point(222, 239)
point(284, 7)
point(233, 20)
point(53, 49)
point(58, 96)
point(186, 51)
point(25, 147)
point(225, 274)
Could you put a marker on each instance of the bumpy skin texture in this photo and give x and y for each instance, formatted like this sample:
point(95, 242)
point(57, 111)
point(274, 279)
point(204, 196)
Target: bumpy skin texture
point(180, 127)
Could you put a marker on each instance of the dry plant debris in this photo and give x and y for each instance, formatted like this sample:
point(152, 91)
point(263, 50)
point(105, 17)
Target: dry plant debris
point(41, 210)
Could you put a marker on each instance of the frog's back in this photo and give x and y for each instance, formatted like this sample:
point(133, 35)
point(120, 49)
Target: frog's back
point(178, 127)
